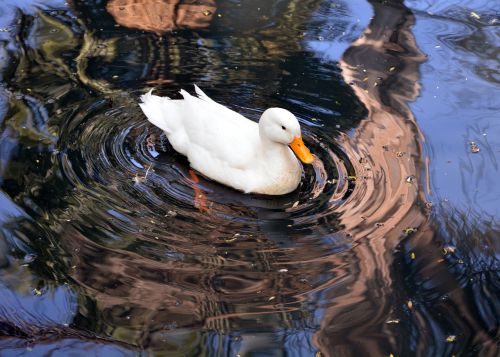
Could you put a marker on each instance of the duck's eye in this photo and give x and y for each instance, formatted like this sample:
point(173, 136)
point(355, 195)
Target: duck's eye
point(283, 127)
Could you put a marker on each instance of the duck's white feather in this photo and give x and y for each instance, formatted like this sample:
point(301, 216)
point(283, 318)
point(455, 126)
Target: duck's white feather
point(221, 144)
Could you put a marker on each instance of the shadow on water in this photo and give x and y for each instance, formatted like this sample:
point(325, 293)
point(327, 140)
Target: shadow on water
point(103, 247)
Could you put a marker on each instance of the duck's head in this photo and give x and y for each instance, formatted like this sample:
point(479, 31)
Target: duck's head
point(280, 126)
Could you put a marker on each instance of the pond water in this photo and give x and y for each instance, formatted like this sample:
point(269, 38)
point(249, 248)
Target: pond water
point(389, 246)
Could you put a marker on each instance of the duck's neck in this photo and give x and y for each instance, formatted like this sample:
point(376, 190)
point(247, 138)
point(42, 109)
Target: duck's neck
point(276, 153)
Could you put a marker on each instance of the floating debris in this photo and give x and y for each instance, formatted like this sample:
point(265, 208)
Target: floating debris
point(207, 13)
point(171, 214)
point(283, 270)
point(449, 250)
point(235, 236)
point(451, 338)
point(392, 69)
point(37, 292)
point(394, 321)
point(28, 258)
point(409, 304)
point(410, 179)
point(409, 230)
point(140, 179)
point(475, 15)
point(295, 204)
point(400, 153)
point(413, 256)
point(474, 148)
point(351, 178)
point(272, 298)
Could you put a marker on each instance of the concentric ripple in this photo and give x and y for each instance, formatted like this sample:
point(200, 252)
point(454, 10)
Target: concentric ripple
point(143, 240)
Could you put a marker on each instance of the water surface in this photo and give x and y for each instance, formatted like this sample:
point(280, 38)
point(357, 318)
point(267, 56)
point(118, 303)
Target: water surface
point(387, 247)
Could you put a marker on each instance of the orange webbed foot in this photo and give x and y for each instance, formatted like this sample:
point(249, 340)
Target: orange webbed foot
point(200, 199)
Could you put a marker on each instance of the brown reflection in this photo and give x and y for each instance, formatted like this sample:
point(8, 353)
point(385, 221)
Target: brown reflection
point(383, 68)
point(251, 36)
point(147, 298)
point(162, 15)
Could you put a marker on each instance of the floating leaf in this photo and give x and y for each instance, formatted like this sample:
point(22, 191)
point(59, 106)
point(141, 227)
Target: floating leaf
point(474, 15)
point(409, 230)
point(474, 148)
point(448, 249)
point(451, 338)
point(171, 214)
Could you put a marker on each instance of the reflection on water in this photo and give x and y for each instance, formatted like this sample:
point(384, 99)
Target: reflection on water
point(161, 16)
point(98, 217)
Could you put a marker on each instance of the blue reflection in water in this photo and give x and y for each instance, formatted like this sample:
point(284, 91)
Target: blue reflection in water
point(460, 103)
point(152, 271)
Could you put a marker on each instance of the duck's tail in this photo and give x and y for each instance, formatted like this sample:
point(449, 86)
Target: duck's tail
point(161, 111)
point(167, 114)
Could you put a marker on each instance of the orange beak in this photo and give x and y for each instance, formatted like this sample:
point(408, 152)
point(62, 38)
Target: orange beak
point(300, 149)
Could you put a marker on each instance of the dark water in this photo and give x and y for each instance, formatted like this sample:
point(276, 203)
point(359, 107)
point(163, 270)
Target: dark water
point(389, 246)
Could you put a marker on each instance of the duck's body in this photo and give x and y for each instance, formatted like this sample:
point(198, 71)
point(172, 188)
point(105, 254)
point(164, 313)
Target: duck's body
point(225, 146)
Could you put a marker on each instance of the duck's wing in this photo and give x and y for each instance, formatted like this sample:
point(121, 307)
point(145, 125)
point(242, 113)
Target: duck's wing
point(202, 95)
point(218, 133)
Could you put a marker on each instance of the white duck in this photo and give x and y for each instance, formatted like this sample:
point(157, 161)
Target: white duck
point(229, 148)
